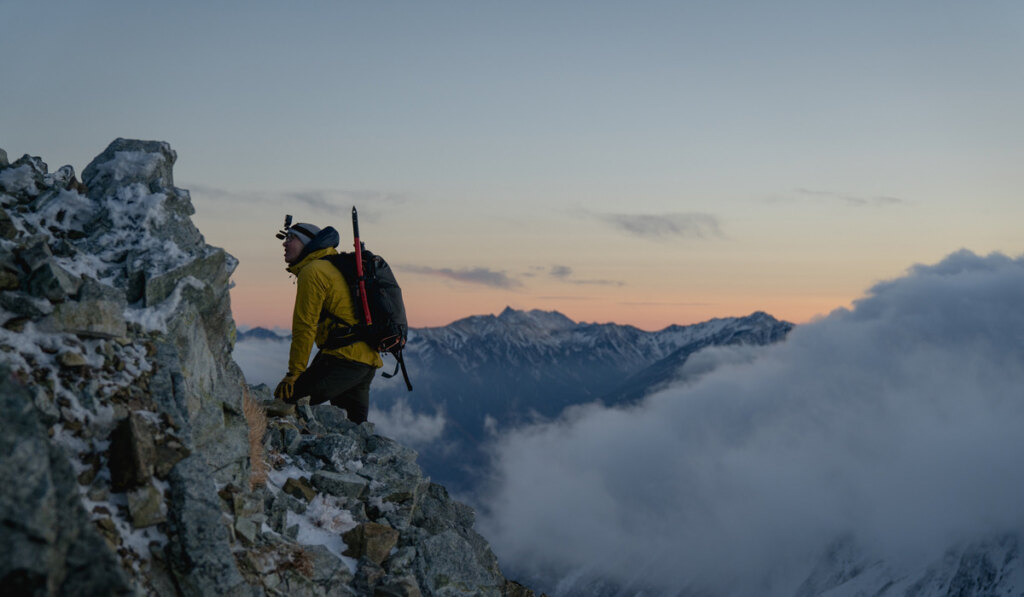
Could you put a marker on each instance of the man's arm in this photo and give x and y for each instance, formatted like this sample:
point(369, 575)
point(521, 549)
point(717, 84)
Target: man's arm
point(311, 289)
point(309, 298)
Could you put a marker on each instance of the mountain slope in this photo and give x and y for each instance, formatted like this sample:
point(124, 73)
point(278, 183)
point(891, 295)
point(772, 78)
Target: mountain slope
point(757, 329)
point(487, 373)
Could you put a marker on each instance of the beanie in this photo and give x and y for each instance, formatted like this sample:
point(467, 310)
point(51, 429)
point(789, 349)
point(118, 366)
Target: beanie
point(304, 232)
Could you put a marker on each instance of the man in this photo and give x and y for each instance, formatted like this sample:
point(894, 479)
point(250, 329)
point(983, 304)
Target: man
point(339, 375)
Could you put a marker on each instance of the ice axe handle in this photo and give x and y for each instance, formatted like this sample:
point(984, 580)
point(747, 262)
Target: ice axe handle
point(359, 267)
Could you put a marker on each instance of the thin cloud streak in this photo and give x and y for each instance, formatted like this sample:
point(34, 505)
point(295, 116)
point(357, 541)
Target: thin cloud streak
point(328, 201)
point(561, 272)
point(667, 225)
point(851, 199)
point(476, 275)
point(564, 273)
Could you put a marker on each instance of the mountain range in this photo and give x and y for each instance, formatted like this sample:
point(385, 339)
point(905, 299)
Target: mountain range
point(877, 458)
point(488, 373)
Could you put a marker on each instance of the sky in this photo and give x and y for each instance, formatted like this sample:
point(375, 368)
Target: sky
point(646, 163)
point(893, 426)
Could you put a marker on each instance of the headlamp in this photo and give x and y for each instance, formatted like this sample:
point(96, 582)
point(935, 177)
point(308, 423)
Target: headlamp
point(283, 233)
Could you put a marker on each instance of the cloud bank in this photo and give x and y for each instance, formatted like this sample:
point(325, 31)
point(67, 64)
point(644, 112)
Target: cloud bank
point(262, 361)
point(409, 428)
point(897, 424)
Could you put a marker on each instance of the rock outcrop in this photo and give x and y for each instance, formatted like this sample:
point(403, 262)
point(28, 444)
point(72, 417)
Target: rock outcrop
point(134, 454)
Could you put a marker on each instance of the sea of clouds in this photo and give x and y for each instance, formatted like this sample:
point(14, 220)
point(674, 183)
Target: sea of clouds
point(897, 424)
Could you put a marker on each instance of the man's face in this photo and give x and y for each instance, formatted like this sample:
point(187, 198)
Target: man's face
point(292, 248)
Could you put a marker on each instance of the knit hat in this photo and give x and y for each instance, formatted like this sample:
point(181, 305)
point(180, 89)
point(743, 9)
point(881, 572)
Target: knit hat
point(304, 232)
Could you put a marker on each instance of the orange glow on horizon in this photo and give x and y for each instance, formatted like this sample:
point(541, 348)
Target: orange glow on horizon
point(270, 306)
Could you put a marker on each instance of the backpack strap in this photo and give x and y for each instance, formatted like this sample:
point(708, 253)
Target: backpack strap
point(400, 363)
point(342, 333)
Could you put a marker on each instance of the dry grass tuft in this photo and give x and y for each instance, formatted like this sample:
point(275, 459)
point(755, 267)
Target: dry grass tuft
point(301, 562)
point(256, 417)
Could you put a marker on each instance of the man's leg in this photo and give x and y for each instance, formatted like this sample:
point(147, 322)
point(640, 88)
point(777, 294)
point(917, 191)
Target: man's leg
point(346, 384)
point(356, 400)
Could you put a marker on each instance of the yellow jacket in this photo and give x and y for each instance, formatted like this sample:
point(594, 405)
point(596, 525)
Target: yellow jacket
point(321, 286)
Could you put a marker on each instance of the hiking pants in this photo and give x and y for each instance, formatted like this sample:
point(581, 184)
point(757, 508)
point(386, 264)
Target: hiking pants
point(343, 383)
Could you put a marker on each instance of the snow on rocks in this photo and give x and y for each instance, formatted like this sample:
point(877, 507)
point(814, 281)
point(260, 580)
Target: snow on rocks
point(126, 439)
point(77, 336)
point(362, 498)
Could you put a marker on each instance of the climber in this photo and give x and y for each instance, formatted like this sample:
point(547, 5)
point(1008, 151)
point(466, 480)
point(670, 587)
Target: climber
point(340, 375)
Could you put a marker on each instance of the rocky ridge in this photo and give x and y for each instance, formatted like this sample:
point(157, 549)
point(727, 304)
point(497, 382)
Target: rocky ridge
point(138, 459)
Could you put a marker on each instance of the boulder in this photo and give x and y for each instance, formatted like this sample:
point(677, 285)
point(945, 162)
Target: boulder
point(402, 586)
point(246, 529)
point(25, 177)
point(209, 271)
point(436, 512)
point(25, 305)
point(8, 230)
point(334, 419)
point(88, 318)
point(169, 452)
point(53, 282)
point(370, 540)
point(446, 569)
point(299, 488)
point(348, 485)
point(127, 161)
point(71, 359)
point(278, 408)
point(336, 449)
point(50, 545)
point(146, 506)
point(284, 437)
point(9, 279)
point(132, 453)
point(328, 571)
point(199, 547)
point(35, 252)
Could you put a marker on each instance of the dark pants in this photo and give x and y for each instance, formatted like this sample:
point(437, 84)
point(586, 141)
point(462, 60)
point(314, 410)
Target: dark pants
point(346, 384)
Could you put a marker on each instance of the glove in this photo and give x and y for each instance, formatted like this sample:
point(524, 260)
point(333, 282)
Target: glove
point(286, 389)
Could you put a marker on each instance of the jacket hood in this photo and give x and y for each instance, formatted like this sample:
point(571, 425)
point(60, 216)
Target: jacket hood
point(328, 237)
point(308, 258)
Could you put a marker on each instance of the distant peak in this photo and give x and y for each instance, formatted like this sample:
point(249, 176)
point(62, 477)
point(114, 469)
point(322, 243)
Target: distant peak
point(537, 318)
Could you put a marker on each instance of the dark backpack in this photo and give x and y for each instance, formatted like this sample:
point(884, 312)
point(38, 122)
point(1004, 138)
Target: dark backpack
point(389, 328)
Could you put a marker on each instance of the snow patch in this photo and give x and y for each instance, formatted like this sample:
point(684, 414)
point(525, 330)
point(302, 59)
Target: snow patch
point(19, 180)
point(131, 163)
point(155, 318)
point(323, 523)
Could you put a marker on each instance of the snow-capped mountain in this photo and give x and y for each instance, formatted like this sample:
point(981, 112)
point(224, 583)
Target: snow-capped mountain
point(536, 354)
point(488, 373)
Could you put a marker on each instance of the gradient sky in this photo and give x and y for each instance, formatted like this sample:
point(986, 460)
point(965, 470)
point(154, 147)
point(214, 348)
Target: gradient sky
point(645, 162)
